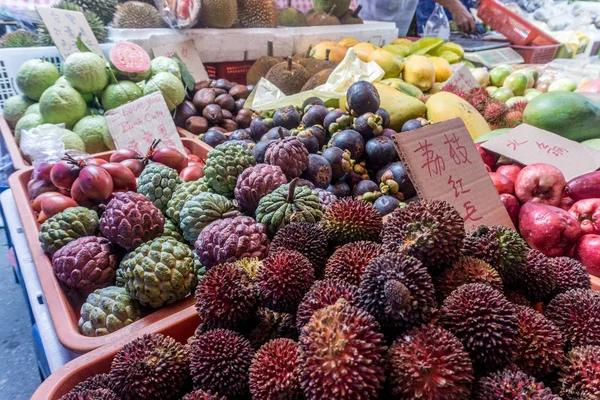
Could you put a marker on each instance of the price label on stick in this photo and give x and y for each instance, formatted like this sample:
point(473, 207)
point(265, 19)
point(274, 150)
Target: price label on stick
point(138, 124)
point(463, 79)
point(529, 145)
point(444, 164)
point(65, 26)
point(187, 52)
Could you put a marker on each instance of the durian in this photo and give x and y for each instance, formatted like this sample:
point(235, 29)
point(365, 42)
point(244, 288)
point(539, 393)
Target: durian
point(104, 9)
point(137, 15)
point(19, 38)
point(219, 13)
point(257, 13)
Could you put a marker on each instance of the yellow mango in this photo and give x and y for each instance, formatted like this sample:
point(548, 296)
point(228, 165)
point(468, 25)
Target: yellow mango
point(442, 69)
point(444, 106)
point(348, 42)
point(363, 50)
point(402, 86)
point(419, 71)
point(336, 54)
point(391, 63)
point(401, 106)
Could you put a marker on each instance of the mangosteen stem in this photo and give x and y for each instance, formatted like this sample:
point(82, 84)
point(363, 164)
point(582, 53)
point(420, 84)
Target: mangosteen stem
point(280, 133)
point(292, 190)
point(270, 48)
point(355, 13)
point(327, 54)
point(289, 63)
point(308, 51)
point(331, 10)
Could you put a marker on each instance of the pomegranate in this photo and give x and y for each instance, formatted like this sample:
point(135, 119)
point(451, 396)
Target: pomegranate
point(191, 173)
point(95, 182)
point(123, 154)
point(122, 177)
point(136, 166)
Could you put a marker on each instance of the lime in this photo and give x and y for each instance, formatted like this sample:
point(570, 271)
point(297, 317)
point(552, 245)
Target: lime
point(117, 94)
point(517, 82)
point(35, 76)
point(62, 104)
point(26, 123)
point(171, 88)
point(502, 94)
point(86, 72)
point(93, 130)
point(15, 107)
point(165, 64)
point(33, 109)
point(498, 75)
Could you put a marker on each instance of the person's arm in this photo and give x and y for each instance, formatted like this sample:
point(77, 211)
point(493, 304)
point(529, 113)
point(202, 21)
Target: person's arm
point(462, 17)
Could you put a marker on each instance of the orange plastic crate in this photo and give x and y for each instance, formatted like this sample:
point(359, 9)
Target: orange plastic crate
point(232, 71)
point(537, 54)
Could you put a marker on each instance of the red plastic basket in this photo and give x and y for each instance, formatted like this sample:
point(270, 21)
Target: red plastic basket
point(537, 54)
point(517, 29)
point(232, 71)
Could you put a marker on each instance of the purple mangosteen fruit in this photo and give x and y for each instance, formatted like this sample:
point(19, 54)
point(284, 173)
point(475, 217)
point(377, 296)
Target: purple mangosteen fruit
point(318, 171)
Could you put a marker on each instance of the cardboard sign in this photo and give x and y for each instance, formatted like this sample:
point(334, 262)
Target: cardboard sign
point(463, 79)
point(529, 145)
point(137, 124)
point(65, 26)
point(186, 50)
point(444, 164)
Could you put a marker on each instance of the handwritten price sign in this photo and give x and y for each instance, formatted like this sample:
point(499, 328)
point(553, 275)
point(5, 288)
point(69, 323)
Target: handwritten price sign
point(529, 145)
point(137, 124)
point(186, 50)
point(444, 164)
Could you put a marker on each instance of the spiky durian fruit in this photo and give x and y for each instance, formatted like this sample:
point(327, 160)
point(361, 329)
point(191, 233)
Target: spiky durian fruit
point(137, 15)
point(104, 9)
point(429, 363)
point(341, 339)
point(397, 290)
point(576, 313)
point(96, 24)
point(500, 247)
point(349, 261)
point(19, 38)
point(512, 385)
point(580, 376)
point(323, 294)
point(541, 346)
point(485, 322)
point(274, 371)
point(467, 270)
point(351, 220)
point(151, 367)
point(257, 14)
point(431, 231)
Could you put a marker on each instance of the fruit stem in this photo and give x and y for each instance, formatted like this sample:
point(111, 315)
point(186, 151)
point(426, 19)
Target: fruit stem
point(280, 133)
point(355, 13)
point(327, 54)
point(151, 151)
point(307, 55)
point(270, 48)
point(292, 190)
point(289, 63)
point(331, 10)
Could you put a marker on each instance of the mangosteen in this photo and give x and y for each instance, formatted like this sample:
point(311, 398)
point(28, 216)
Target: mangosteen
point(259, 150)
point(240, 134)
point(309, 141)
point(318, 171)
point(319, 133)
point(387, 132)
point(339, 189)
point(274, 133)
point(385, 116)
point(393, 180)
point(411, 125)
point(356, 175)
point(380, 151)
point(258, 128)
point(184, 111)
point(305, 182)
point(362, 97)
point(287, 117)
point(314, 115)
point(386, 204)
point(339, 160)
point(214, 138)
point(349, 140)
point(368, 125)
point(217, 128)
point(312, 101)
point(366, 186)
point(337, 120)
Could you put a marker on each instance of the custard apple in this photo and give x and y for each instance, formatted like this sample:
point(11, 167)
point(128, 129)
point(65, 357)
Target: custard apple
point(66, 226)
point(228, 240)
point(107, 310)
point(172, 230)
point(158, 182)
point(131, 219)
point(202, 209)
point(158, 272)
point(224, 164)
point(255, 183)
point(288, 203)
point(86, 263)
point(289, 154)
point(183, 193)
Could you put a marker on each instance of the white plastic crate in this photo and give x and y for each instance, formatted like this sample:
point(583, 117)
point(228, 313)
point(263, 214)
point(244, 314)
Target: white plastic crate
point(11, 60)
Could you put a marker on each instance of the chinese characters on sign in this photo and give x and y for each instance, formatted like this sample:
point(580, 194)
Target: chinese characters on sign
point(529, 145)
point(445, 165)
point(137, 124)
point(186, 50)
point(64, 28)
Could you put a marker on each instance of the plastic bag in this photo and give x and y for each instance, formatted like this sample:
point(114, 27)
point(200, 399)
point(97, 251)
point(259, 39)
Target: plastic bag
point(179, 14)
point(437, 24)
point(43, 144)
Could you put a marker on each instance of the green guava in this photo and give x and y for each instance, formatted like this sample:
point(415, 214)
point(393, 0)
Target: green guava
point(15, 107)
point(86, 72)
point(502, 94)
point(26, 123)
point(517, 82)
point(93, 130)
point(35, 76)
point(62, 104)
point(499, 74)
point(165, 64)
point(117, 94)
point(171, 88)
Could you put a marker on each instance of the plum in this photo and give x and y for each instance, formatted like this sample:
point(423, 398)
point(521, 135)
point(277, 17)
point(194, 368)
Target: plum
point(318, 171)
point(315, 115)
point(549, 229)
point(287, 117)
point(386, 204)
point(349, 140)
point(362, 97)
point(542, 183)
point(380, 151)
point(340, 161)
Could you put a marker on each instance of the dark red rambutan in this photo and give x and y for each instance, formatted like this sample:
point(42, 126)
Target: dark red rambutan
point(479, 101)
point(429, 363)
point(341, 354)
point(151, 367)
point(538, 280)
point(271, 325)
point(349, 261)
point(569, 274)
point(580, 376)
point(397, 290)
point(350, 220)
point(485, 322)
point(455, 90)
point(283, 280)
point(519, 106)
point(274, 371)
point(226, 297)
point(98, 394)
point(511, 385)
point(219, 362)
point(202, 395)
point(323, 294)
point(305, 238)
point(576, 313)
point(513, 119)
point(540, 349)
point(495, 111)
point(467, 270)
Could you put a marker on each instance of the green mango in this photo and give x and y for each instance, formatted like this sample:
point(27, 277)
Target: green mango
point(402, 86)
point(491, 134)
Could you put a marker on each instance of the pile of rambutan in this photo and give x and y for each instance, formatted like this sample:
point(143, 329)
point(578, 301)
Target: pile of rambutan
point(412, 308)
